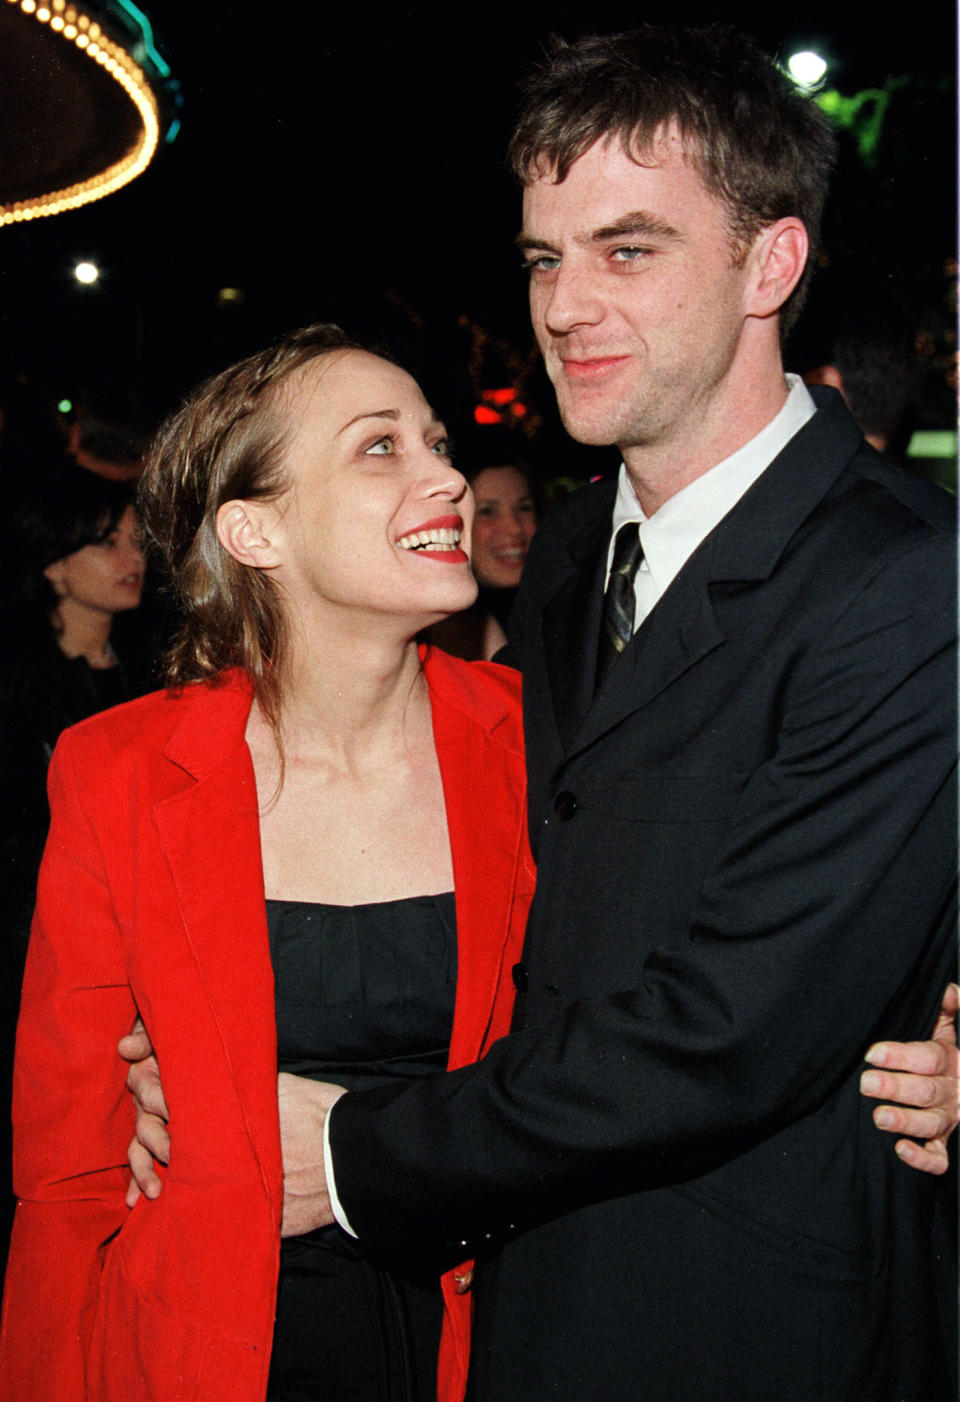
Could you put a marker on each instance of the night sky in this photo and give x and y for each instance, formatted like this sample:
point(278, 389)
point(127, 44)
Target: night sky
point(333, 166)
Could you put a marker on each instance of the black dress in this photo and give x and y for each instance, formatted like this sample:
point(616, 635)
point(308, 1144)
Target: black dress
point(364, 994)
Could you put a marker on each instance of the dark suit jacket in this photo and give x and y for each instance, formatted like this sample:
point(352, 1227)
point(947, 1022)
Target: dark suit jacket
point(746, 854)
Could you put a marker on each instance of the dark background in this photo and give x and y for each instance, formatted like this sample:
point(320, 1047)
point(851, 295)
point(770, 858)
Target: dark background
point(333, 165)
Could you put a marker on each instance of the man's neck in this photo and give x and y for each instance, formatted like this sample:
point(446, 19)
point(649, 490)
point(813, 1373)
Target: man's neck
point(657, 471)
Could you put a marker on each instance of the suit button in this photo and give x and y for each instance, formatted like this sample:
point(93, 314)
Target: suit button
point(565, 805)
point(521, 977)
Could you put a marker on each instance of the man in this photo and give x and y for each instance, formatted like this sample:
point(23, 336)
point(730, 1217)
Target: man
point(744, 830)
point(740, 769)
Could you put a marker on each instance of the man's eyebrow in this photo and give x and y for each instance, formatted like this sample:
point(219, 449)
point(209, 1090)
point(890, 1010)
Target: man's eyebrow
point(635, 224)
point(525, 242)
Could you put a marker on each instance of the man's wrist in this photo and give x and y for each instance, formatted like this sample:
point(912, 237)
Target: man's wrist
point(335, 1204)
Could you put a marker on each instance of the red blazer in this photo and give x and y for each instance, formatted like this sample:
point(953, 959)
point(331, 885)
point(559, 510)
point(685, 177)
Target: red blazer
point(151, 897)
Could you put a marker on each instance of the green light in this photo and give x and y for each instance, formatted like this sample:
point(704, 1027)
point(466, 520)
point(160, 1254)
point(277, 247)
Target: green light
point(64, 406)
point(862, 114)
point(933, 443)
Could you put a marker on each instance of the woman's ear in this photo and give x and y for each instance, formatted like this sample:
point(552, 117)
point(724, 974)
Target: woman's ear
point(244, 531)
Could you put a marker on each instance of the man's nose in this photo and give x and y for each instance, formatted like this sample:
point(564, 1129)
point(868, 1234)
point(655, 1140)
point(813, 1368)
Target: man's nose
point(573, 301)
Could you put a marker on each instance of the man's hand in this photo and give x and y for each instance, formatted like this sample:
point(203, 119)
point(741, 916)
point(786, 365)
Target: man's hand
point(923, 1078)
point(304, 1106)
point(151, 1138)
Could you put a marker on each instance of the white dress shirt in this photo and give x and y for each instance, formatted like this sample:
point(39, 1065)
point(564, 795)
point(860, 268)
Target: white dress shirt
point(672, 534)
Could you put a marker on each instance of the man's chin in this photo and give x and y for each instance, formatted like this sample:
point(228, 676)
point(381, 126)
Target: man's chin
point(590, 430)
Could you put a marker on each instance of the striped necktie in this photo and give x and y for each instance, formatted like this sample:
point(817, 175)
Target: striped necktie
point(619, 601)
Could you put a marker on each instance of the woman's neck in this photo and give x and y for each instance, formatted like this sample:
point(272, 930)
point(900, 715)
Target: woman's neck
point(355, 702)
point(83, 632)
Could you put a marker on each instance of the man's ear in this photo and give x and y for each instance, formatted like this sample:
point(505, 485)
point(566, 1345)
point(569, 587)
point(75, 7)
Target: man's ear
point(244, 531)
point(778, 256)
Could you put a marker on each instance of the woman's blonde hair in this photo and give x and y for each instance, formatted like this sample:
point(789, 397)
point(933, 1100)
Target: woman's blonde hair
point(226, 443)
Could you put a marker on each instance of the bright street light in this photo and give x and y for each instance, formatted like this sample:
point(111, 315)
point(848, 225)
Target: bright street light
point(807, 69)
point(86, 272)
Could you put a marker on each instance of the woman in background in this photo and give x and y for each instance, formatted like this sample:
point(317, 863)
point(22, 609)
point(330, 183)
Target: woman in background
point(80, 565)
point(505, 519)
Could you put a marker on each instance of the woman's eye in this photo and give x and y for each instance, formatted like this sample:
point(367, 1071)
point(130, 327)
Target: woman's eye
point(443, 448)
point(382, 448)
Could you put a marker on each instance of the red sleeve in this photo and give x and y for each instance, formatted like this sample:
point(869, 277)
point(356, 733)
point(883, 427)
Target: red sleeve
point(72, 1115)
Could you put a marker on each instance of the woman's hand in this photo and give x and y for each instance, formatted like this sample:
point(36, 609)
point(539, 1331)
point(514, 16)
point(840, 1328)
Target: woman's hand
point(921, 1079)
point(151, 1141)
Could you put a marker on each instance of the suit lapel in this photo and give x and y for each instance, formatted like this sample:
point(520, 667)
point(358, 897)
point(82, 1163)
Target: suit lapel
point(683, 627)
point(210, 836)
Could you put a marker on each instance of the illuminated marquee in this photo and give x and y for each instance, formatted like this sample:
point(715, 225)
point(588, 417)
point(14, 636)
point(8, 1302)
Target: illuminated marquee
point(72, 26)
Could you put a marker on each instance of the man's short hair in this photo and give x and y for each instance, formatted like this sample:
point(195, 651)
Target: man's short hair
point(761, 146)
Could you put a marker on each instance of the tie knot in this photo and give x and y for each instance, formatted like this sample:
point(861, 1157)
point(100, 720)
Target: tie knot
point(627, 551)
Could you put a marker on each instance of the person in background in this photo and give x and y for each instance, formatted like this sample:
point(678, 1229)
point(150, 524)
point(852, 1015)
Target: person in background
point(871, 366)
point(505, 520)
point(80, 567)
point(111, 445)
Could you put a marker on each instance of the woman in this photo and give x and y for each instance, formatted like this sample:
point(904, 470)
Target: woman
point(80, 566)
point(267, 852)
point(504, 522)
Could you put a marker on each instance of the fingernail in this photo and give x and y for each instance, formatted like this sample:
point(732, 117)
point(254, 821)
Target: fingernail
point(884, 1119)
point(906, 1151)
point(877, 1054)
point(870, 1082)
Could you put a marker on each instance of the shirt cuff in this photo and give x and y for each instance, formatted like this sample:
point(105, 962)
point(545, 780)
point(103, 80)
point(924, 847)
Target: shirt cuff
point(335, 1205)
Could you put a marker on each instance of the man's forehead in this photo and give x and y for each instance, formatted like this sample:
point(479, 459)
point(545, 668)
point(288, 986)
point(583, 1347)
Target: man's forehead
point(667, 141)
point(610, 182)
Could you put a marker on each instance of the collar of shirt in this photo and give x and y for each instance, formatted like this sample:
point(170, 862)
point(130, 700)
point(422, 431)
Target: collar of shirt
point(671, 536)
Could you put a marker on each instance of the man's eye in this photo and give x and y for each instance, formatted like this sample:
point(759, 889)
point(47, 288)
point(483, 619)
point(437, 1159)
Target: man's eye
point(541, 263)
point(382, 448)
point(629, 255)
point(443, 448)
